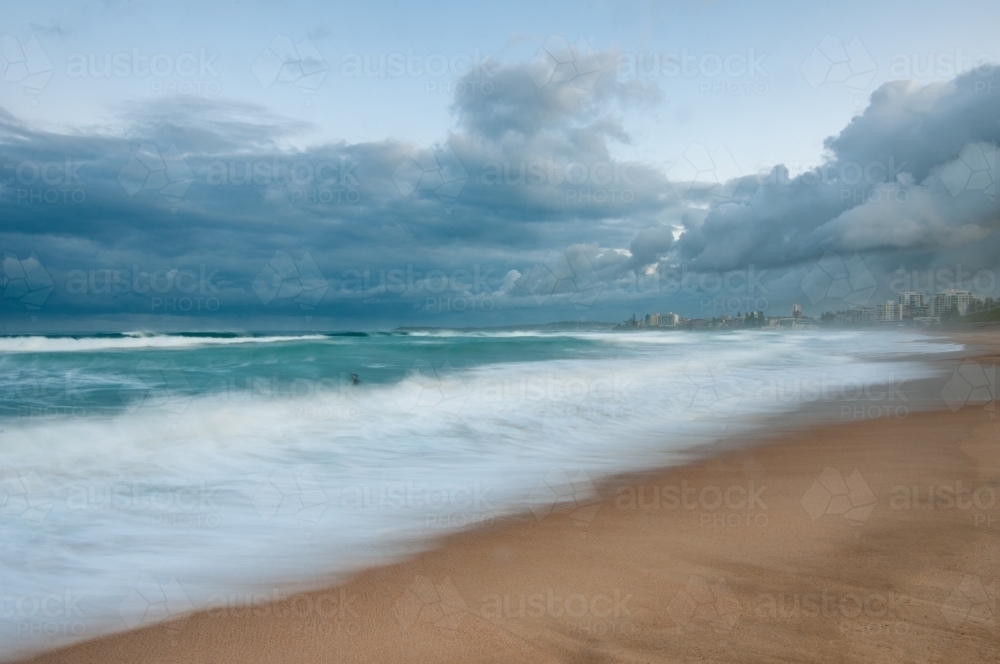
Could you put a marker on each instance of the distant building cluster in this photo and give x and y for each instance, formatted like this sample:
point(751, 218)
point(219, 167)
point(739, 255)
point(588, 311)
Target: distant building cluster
point(918, 308)
point(669, 319)
point(672, 321)
point(914, 307)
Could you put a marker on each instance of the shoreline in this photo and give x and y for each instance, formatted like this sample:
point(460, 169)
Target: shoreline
point(689, 579)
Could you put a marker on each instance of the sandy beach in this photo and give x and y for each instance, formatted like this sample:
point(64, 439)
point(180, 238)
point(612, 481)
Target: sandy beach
point(869, 541)
point(499, 332)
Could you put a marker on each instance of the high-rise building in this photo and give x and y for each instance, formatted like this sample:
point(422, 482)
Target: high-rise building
point(796, 311)
point(962, 300)
point(860, 315)
point(889, 312)
point(913, 304)
point(942, 303)
point(669, 319)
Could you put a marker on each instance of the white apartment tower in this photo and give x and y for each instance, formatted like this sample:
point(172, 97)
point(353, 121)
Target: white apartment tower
point(889, 312)
point(942, 303)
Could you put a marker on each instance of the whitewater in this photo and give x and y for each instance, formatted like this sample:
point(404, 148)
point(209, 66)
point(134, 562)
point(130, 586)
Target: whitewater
point(145, 476)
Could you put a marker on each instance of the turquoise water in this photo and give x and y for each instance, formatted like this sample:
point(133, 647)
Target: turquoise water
point(105, 375)
point(147, 475)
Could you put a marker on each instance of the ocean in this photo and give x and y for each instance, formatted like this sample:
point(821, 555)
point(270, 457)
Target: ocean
point(148, 475)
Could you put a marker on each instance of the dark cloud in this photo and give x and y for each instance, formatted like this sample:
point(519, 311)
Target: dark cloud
point(521, 214)
point(523, 102)
point(913, 172)
point(651, 244)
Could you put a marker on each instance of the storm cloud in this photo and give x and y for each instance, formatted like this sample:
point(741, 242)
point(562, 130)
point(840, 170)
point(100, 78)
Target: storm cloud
point(183, 214)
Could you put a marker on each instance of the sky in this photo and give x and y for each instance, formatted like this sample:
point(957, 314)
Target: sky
point(258, 166)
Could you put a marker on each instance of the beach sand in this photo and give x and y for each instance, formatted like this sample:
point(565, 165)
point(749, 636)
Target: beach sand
point(869, 541)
